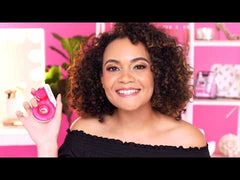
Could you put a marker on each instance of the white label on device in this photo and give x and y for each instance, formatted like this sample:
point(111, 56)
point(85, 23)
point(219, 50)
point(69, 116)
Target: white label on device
point(50, 94)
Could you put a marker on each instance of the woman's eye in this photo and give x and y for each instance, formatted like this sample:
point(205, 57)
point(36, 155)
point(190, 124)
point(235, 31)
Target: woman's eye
point(112, 68)
point(139, 67)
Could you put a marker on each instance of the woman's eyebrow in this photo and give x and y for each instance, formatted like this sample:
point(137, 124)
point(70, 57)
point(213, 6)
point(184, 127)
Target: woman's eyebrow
point(133, 60)
point(112, 60)
point(139, 59)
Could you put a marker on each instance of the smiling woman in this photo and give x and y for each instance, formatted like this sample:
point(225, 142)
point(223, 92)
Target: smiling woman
point(130, 87)
point(129, 41)
point(135, 81)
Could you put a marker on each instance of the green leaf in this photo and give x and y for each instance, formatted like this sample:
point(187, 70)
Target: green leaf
point(60, 52)
point(55, 35)
point(53, 75)
point(67, 46)
point(75, 44)
point(71, 45)
point(81, 39)
point(65, 66)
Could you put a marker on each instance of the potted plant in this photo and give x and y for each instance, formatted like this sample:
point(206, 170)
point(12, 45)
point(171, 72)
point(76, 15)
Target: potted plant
point(54, 75)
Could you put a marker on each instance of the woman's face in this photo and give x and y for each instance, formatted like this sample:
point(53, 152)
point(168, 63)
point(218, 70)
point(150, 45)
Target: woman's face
point(127, 77)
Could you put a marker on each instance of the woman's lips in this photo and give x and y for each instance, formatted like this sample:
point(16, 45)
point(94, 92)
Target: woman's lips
point(128, 92)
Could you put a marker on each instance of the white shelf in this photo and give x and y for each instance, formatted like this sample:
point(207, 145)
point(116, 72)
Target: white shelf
point(217, 102)
point(223, 43)
point(12, 136)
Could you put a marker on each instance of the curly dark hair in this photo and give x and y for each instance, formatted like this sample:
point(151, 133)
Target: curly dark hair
point(172, 90)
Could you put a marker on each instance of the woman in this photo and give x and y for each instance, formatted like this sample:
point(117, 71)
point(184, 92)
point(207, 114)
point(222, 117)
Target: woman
point(130, 87)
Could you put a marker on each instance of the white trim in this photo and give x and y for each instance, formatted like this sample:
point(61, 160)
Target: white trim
point(217, 102)
point(224, 43)
point(10, 136)
point(238, 125)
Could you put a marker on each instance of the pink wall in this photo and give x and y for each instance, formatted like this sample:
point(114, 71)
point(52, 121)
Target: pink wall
point(215, 120)
point(207, 56)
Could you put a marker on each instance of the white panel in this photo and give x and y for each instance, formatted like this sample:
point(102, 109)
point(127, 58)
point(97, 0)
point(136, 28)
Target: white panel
point(22, 67)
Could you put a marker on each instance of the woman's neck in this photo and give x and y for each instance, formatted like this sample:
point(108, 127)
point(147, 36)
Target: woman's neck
point(139, 119)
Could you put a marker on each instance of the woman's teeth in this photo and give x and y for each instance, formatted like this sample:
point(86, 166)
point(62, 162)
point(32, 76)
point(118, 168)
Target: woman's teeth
point(128, 92)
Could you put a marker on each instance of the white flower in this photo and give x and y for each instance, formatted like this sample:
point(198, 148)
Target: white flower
point(229, 145)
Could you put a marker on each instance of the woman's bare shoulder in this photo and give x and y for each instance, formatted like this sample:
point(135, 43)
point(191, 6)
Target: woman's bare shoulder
point(191, 136)
point(85, 124)
point(187, 135)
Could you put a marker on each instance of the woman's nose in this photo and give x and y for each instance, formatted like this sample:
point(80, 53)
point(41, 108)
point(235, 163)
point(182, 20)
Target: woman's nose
point(126, 77)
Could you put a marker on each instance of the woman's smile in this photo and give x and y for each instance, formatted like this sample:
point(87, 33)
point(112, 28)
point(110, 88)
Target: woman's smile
point(128, 92)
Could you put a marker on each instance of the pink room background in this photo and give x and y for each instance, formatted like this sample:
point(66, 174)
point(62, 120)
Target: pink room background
point(210, 118)
point(214, 119)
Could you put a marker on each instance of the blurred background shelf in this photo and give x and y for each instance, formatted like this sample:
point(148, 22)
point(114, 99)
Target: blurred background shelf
point(12, 136)
point(218, 101)
point(223, 43)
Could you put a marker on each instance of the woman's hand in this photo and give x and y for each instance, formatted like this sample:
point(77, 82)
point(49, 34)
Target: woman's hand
point(44, 134)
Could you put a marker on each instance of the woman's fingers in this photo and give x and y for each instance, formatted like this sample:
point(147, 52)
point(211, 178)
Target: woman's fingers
point(33, 102)
point(20, 116)
point(27, 107)
point(33, 90)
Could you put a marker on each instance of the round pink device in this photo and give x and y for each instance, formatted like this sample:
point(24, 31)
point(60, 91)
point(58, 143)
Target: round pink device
point(45, 109)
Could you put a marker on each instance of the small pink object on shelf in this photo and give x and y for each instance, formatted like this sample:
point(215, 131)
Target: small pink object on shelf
point(46, 104)
point(229, 145)
point(205, 86)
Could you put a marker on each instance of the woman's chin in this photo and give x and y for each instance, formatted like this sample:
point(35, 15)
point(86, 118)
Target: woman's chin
point(128, 107)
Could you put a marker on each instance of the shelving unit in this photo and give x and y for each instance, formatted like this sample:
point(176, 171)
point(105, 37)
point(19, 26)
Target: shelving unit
point(12, 136)
point(206, 102)
point(218, 101)
point(220, 43)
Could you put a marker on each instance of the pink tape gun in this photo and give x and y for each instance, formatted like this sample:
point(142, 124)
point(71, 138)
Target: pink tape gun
point(46, 104)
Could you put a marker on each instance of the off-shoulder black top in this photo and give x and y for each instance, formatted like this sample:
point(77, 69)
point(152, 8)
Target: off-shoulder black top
point(80, 144)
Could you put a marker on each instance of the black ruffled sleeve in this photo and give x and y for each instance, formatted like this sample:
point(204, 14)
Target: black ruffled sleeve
point(81, 144)
point(65, 148)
